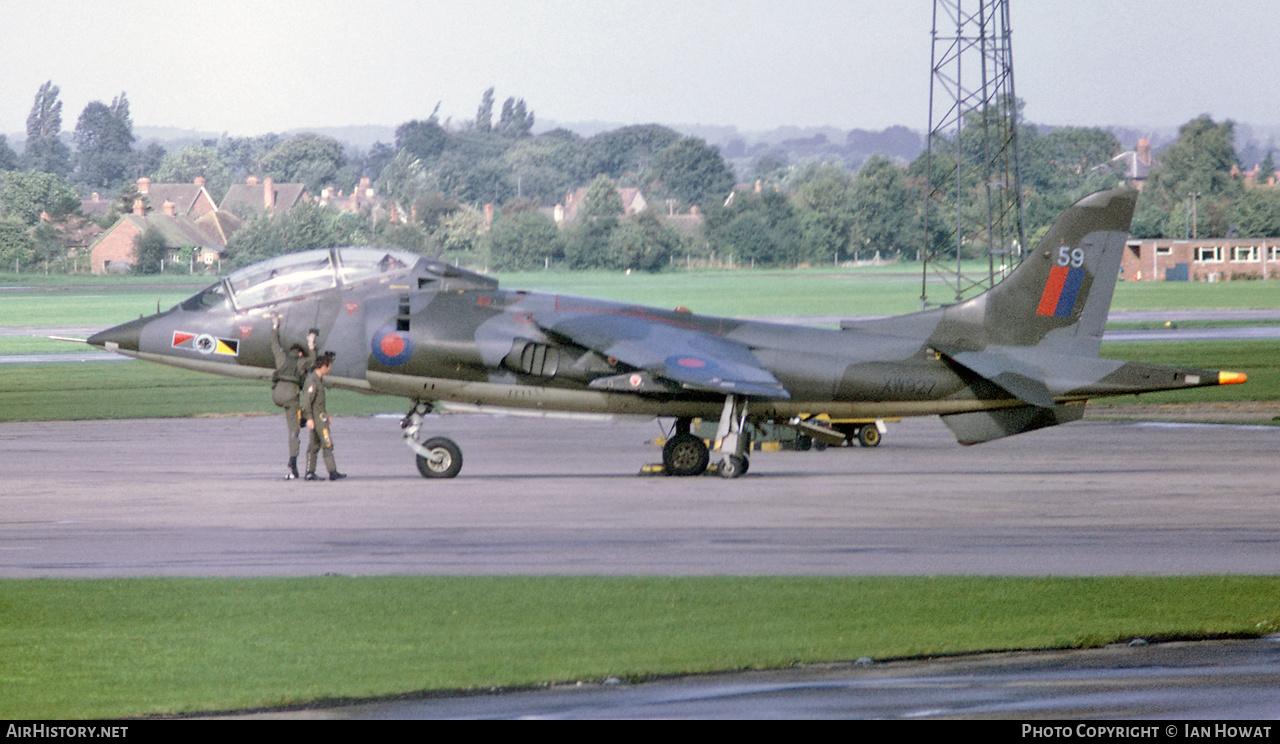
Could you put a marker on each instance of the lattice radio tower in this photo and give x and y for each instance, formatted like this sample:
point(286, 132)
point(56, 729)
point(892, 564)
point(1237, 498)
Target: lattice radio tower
point(973, 217)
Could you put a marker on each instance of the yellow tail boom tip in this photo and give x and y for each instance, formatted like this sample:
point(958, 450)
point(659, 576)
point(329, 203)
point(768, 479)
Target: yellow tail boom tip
point(1232, 378)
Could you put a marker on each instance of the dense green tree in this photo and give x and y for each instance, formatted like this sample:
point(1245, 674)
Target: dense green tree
point(692, 172)
point(516, 120)
point(1200, 161)
point(484, 114)
point(147, 160)
point(887, 210)
point(642, 242)
point(470, 169)
point(104, 143)
point(1256, 213)
point(1193, 178)
point(25, 195)
point(149, 251)
point(827, 207)
point(757, 229)
point(423, 140)
point(1078, 149)
point(47, 246)
point(306, 226)
point(370, 164)
point(523, 240)
point(545, 167)
point(8, 158)
point(405, 236)
point(45, 151)
point(192, 161)
point(772, 165)
point(1266, 170)
point(587, 240)
point(629, 150)
point(17, 249)
point(313, 159)
point(459, 232)
point(403, 180)
point(244, 155)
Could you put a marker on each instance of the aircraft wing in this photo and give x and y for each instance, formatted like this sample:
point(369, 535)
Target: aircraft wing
point(690, 358)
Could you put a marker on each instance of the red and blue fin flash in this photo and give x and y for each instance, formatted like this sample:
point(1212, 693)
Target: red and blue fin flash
point(1061, 291)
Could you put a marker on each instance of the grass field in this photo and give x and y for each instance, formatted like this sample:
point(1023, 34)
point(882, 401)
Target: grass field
point(114, 648)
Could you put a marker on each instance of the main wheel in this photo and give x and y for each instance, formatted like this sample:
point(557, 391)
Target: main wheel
point(869, 436)
point(444, 461)
point(685, 454)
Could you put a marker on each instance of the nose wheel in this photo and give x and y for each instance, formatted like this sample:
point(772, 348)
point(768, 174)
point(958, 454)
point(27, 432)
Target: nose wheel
point(437, 457)
point(443, 460)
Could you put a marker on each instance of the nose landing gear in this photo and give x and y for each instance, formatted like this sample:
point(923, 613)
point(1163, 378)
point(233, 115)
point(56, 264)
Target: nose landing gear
point(437, 457)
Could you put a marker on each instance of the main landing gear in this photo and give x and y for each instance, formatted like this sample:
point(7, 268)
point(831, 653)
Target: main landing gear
point(438, 457)
point(686, 454)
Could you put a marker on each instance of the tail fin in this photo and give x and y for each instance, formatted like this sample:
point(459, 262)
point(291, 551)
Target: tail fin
point(1040, 327)
point(1058, 298)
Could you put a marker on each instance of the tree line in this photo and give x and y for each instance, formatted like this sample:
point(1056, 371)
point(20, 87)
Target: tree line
point(442, 174)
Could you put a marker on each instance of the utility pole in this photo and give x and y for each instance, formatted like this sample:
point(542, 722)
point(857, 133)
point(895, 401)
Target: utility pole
point(974, 189)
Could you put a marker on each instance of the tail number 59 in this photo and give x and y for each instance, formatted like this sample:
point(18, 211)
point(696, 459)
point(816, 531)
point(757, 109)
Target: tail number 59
point(1068, 256)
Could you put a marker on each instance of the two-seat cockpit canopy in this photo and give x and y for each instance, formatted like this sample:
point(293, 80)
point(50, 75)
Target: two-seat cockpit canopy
point(296, 275)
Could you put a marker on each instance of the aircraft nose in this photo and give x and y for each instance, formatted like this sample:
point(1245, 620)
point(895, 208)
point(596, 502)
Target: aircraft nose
point(123, 337)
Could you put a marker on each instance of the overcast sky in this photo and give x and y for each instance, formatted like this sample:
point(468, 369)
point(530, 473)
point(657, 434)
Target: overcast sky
point(254, 67)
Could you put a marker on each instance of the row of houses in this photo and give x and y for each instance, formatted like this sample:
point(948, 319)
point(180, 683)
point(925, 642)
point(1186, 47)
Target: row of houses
point(186, 215)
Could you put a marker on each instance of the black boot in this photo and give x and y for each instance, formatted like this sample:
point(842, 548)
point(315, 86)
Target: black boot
point(293, 469)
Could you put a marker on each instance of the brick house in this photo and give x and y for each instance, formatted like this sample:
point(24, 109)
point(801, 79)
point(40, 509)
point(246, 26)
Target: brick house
point(113, 251)
point(189, 199)
point(253, 199)
point(1204, 259)
point(566, 213)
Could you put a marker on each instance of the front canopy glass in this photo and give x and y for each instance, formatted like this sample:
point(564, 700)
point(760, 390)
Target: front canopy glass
point(298, 274)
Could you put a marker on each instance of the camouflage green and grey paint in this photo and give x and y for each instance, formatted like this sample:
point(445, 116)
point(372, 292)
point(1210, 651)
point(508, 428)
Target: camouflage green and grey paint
point(1020, 357)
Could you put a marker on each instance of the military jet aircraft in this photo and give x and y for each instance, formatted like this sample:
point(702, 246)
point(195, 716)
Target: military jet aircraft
point(1022, 356)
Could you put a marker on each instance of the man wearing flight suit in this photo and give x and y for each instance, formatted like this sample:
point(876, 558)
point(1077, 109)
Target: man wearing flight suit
point(286, 384)
point(318, 419)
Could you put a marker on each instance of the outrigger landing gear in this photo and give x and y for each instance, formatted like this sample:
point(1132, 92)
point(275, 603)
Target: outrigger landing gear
point(732, 439)
point(438, 457)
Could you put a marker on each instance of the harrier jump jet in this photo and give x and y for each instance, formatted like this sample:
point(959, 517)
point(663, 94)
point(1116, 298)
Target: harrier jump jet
point(1019, 357)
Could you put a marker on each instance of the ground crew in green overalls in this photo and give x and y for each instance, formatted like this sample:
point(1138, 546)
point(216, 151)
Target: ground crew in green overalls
point(318, 419)
point(291, 369)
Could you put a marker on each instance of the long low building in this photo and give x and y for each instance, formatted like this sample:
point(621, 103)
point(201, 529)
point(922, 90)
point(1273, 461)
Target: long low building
point(1203, 259)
